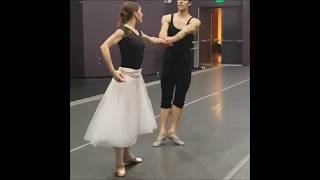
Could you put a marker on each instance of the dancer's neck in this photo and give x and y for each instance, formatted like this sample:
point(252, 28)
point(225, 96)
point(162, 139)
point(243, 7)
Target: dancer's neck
point(131, 23)
point(183, 13)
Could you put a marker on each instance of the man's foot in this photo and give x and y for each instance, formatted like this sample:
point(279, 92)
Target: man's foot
point(175, 139)
point(160, 140)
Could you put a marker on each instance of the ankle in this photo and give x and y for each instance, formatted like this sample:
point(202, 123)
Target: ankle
point(120, 165)
point(171, 131)
point(162, 133)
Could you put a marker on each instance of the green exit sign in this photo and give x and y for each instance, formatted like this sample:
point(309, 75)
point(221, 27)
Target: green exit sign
point(219, 1)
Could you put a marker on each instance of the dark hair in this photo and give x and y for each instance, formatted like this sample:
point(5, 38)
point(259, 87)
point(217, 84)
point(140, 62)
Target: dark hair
point(126, 11)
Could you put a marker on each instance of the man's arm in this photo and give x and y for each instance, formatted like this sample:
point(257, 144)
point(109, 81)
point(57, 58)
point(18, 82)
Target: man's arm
point(164, 27)
point(189, 29)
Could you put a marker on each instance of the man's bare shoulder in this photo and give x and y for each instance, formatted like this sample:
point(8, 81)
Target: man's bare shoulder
point(166, 17)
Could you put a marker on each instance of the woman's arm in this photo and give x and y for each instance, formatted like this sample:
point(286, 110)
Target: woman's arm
point(151, 40)
point(105, 50)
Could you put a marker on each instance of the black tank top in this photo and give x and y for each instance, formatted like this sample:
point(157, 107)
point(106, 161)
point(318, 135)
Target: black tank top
point(184, 44)
point(131, 49)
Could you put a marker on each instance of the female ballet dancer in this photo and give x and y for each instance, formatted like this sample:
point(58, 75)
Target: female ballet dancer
point(125, 111)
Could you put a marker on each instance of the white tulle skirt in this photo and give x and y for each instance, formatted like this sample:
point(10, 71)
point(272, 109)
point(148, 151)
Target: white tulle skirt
point(124, 113)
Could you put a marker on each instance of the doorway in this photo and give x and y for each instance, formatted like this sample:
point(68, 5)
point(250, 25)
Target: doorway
point(210, 36)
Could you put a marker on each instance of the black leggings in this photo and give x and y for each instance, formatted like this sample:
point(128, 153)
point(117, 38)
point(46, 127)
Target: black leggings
point(175, 73)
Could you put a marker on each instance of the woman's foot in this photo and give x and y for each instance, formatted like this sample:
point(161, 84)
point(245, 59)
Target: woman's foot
point(129, 158)
point(120, 170)
point(134, 160)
